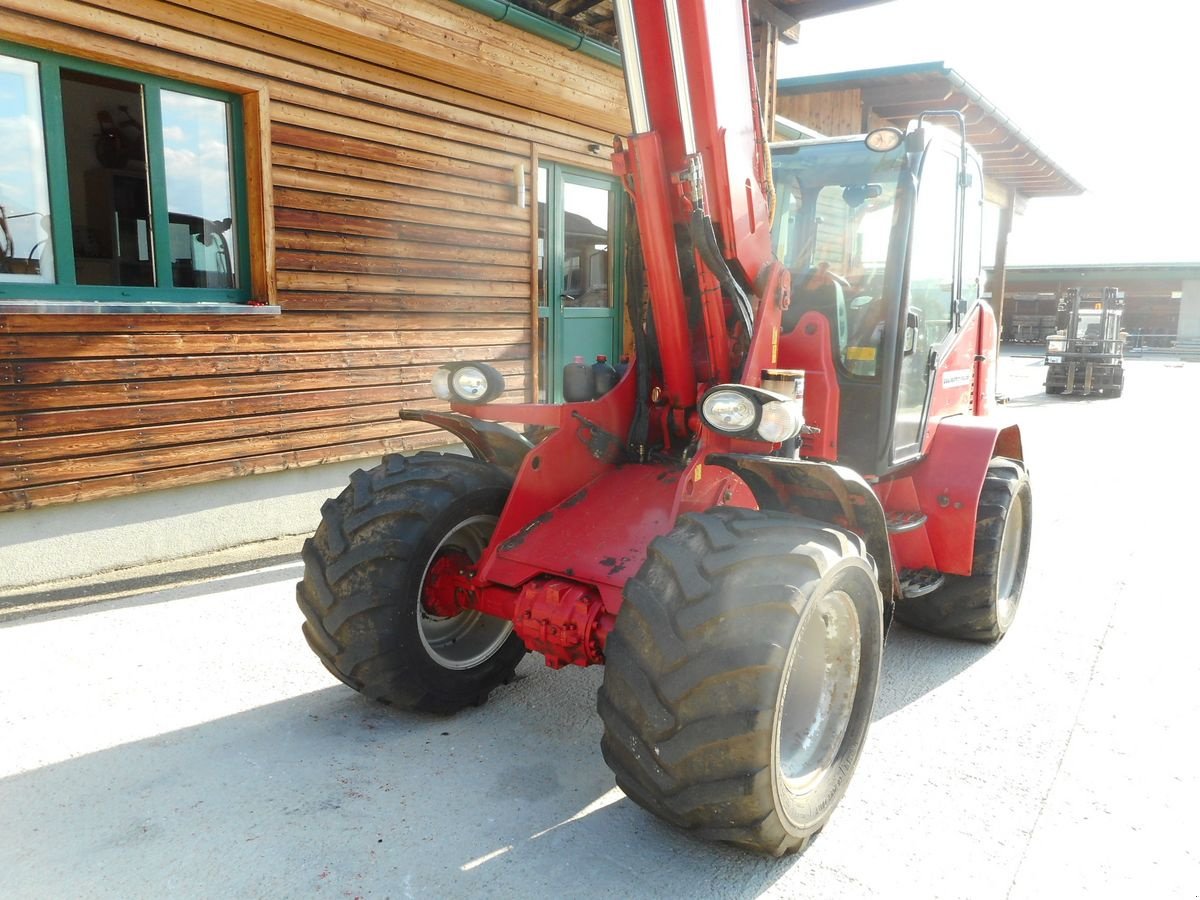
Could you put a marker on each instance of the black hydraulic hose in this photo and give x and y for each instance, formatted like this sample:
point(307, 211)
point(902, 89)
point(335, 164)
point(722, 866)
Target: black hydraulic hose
point(704, 236)
point(639, 426)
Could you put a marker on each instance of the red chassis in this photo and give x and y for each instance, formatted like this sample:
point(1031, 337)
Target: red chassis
point(579, 521)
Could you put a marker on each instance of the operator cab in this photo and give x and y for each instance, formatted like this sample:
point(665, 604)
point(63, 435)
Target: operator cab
point(875, 240)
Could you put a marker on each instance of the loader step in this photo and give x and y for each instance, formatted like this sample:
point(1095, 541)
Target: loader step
point(900, 522)
point(919, 582)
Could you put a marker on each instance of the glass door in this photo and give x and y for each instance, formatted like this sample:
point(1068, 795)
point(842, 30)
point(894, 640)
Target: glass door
point(932, 287)
point(579, 310)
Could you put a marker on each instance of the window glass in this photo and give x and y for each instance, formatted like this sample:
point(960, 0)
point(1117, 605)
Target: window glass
point(837, 205)
point(972, 273)
point(107, 178)
point(25, 245)
point(585, 274)
point(930, 314)
point(934, 244)
point(195, 133)
point(543, 190)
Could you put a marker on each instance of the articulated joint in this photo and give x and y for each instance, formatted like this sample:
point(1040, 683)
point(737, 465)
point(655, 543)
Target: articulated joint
point(564, 621)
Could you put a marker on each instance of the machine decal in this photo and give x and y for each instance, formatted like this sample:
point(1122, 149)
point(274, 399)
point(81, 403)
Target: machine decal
point(957, 378)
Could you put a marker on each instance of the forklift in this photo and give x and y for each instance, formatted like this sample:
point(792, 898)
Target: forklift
point(1086, 354)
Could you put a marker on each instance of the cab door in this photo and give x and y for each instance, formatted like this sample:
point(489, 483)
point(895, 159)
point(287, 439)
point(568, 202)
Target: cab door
point(579, 307)
point(930, 316)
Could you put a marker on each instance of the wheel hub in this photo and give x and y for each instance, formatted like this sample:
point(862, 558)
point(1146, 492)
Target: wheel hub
point(447, 584)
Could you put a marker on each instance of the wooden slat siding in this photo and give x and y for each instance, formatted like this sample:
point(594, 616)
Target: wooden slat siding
point(831, 113)
point(465, 47)
point(149, 394)
point(139, 402)
point(86, 346)
point(495, 180)
point(341, 243)
point(387, 265)
point(334, 212)
point(397, 242)
point(435, 312)
point(52, 471)
point(73, 421)
point(311, 171)
point(199, 473)
point(22, 452)
point(307, 213)
point(250, 58)
point(452, 152)
point(379, 284)
point(68, 371)
point(427, 181)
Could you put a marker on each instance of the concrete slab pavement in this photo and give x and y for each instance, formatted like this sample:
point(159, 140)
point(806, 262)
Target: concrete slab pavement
point(185, 742)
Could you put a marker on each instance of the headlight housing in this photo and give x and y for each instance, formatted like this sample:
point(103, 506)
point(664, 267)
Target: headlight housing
point(739, 410)
point(473, 383)
point(730, 411)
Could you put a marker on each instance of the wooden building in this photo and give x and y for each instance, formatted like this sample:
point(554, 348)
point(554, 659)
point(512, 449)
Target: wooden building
point(381, 163)
point(237, 237)
point(1156, 295)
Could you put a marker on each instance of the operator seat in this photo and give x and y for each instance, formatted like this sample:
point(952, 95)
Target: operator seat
point(805, 348)
point(824, 297)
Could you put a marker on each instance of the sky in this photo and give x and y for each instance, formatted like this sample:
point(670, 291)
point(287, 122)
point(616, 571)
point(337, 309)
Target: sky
point(1112, 99)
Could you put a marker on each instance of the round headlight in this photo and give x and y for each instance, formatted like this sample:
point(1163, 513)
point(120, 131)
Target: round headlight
point(881, 140)
point(781, 421)
point(469, 384)
point(472, 383)
point(729, 411)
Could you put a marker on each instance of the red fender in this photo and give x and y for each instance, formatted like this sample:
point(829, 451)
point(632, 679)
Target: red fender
point(949, 479)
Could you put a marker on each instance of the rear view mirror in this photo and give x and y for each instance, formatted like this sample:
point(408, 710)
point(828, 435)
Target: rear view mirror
point(856, 195)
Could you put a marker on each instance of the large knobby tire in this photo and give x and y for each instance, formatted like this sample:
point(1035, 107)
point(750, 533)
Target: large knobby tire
point(981, 606)
point(741, 674)
point(363, 575)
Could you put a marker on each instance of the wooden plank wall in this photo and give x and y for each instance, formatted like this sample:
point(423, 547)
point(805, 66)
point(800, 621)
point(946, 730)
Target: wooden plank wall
point(388, 229)
point(831, 113)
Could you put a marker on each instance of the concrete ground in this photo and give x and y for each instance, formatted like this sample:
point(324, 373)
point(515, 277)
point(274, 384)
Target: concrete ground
point(169, 734)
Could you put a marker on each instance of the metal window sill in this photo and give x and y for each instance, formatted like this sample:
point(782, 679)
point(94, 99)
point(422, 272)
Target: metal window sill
point(125, 308)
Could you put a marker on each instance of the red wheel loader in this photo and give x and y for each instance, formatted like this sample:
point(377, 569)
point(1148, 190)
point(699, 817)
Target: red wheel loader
point(799, 449)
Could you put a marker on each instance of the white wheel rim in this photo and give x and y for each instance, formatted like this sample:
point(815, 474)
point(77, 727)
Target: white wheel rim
point(1008, 569)
point(470, 638)
point(819, 690)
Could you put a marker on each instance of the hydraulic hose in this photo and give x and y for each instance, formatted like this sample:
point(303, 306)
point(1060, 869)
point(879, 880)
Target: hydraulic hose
point(704, 237)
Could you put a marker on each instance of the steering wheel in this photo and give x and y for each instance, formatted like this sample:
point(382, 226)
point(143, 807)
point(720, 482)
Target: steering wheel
point(822, 274)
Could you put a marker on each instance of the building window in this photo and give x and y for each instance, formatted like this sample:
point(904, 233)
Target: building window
point(117, 186)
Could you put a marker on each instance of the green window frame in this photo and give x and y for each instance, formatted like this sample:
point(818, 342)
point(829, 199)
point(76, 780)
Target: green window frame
point(66, 286)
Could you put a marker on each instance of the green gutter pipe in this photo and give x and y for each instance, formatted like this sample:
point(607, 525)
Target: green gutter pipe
point(503, 11)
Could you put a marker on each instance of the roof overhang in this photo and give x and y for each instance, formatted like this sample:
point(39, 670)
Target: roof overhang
point(594, 18)
point(1104, 273)
point(901, 93)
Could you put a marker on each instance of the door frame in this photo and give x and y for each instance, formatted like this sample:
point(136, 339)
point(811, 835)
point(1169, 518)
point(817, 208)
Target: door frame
point(553, 314)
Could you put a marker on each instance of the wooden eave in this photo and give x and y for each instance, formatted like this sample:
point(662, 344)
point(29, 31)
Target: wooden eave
point(594, 18)
point(899, 94)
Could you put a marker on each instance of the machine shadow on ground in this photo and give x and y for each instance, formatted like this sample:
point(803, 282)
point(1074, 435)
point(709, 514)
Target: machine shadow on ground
point(231, 806)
